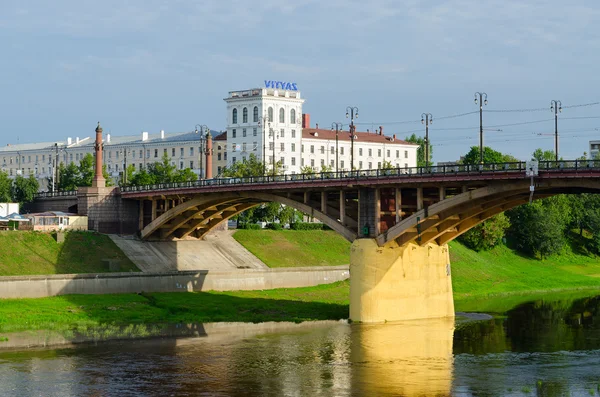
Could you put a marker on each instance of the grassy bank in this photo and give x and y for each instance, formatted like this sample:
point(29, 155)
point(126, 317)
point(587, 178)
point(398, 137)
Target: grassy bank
point(296, 248)
point(28, 253)
point(89, 311)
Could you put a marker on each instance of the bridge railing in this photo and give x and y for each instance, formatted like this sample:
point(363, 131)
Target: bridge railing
point(56, 194)
point(436, 170)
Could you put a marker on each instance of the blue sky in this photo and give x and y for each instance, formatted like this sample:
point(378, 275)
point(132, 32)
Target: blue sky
point(153, 64)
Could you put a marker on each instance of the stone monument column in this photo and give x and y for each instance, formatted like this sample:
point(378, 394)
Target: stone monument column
point(98, 180)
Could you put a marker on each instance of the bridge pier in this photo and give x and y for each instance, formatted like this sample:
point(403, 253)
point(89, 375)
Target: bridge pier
point(395, 283)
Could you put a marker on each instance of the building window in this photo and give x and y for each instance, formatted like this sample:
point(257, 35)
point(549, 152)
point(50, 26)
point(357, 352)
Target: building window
point(233, 160)
point(312, 162)
point(388, 152)
point(270, 132)
point(342, 150)
point(244, 132)
point(254, 146)
point(405, 165)
point(233, 147)
point(322, 162)
point(270, 159)
point(254, 132)
point(243, 146)
point(255, 114)
point(397, 154)
point(331, 163)
point(302, 149)
point(192, 164)
point(181, 153)
point(191, 151)
point(282, 115)
point(293, 147)
point(293, 161)
point(271, 146)
point(379, 164)
point(322, 149)
point(270, 114)
point(301, 162)
point(219, 156)
point(370, 154)
point(360, 151)
point(378, 152)
point(293, 133)
point(282, 147)
point(233, 133)
point(282, 160)
point(293, 116)
point(181, 165)
point(245, 115)
point(282, 132)
point(234, 116)
point(312, 148)
point(109, 154)
point(332, 150)
point(165, 151)
point(342, 164)
point(219, 170)
point(148, 153)
point(370, 165)
point(172, 153)
point(406, 154)
point(225, 156)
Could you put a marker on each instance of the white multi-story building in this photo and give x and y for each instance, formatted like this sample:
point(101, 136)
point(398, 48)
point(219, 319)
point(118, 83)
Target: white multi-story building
point(265, 122)
point(594, 149)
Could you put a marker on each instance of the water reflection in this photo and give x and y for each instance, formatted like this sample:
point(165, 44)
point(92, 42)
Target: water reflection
point(545, 348)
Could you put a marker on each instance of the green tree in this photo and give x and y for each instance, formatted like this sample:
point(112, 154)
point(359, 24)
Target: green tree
point(245, 168)
point(543, 155)
point(24, 189)
point(163, 171)
point(108, 179)
point(141, 178)
point(386, 165)
point(69, 178)
point(5, 187)
point(490, 156)
point(421, 150)
point(326, 168)
point(307, 169)
point(86, 170)
point(487, 234)
point(185, 175)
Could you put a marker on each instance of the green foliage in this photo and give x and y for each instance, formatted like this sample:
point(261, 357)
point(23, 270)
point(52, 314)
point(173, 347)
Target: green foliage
point(386, 165)
point(163, 170)
point(543, 155)
point(306, 226)
point(141, 178)
point(23, 190)
point(490, 156)
point(486, 235)
point(538, 229)
point(421, 150)
point(185, 175)
point(274, 226)
point(245, 168)
point(5, 187)
point(307, 169)
point(249, 226)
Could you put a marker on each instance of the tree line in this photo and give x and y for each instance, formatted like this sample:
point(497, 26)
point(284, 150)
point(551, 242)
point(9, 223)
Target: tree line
point(18, 190)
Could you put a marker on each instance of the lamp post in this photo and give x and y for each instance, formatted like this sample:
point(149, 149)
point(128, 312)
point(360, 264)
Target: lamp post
point(482, 100)
point(556, 106)
point(271, 130)
point(203, 127)
point(124, 152)
point(264, 120)
point(426, 118)
point(337, 127)
point(352, 111)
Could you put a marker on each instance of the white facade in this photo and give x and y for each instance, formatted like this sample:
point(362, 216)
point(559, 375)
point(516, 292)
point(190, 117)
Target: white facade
point(594, 149)
point(263, 122)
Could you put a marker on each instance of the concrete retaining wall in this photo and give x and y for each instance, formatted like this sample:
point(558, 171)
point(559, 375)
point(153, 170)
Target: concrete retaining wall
point(203, 280)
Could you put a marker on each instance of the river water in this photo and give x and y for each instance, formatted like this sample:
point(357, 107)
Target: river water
point(543, 348)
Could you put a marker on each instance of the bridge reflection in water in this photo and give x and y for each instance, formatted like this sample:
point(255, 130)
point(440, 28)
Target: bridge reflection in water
point(410, 358)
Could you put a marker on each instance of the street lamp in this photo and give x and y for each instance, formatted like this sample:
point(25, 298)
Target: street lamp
point(271, 130)
point(337, 127)
point(124, 152)
point(482, 101)
point(556, 106)
point(264, 120)
point(352, 111)
point(426, 118)
point(203, 127)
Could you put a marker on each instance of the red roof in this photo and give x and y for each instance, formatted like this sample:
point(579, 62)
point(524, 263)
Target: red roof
point(322, 133)
point(221, 137)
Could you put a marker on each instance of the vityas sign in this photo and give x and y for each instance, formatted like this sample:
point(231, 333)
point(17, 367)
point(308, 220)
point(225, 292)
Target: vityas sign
point(284, 85)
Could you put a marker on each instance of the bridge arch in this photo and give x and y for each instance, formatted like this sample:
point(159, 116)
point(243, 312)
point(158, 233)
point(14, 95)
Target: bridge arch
point(201, 214)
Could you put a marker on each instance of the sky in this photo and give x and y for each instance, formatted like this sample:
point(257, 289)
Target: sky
point(151, 65)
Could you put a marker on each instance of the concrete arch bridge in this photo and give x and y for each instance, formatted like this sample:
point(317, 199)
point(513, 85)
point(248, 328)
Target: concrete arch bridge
point(398, 220)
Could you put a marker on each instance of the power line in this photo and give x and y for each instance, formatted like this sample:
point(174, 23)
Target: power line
point(516, 110)
point(581, 105)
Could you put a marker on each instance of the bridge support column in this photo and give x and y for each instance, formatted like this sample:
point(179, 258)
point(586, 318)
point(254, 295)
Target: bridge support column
point(395, 283)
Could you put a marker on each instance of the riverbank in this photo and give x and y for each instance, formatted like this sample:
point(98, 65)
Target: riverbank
point(36, 253)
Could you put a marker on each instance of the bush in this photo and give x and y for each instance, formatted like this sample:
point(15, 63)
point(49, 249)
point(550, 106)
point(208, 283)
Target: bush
point(274, 226)
point(307, 226)
point(249, 226)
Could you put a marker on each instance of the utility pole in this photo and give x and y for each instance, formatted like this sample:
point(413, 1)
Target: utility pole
point(352, 111)
point(203, 127)
point(337, 127)
point(264, 120)
point(273, 131)
point(556, 106)
point(482, 101)
point(426, 118)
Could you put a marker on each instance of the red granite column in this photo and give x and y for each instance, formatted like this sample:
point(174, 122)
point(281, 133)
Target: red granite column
point(209, 156)
point(98, 180)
